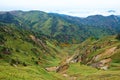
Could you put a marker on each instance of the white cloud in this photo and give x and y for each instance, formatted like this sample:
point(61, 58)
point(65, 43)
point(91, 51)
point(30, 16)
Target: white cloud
point(72, 7)
point(85, 13)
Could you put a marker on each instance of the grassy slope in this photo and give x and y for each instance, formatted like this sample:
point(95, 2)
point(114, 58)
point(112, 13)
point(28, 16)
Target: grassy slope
point(83, 72)
point(21, 51)
point(67, 27)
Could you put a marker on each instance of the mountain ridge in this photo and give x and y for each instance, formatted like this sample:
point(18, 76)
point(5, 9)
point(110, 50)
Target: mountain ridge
point(68, 27)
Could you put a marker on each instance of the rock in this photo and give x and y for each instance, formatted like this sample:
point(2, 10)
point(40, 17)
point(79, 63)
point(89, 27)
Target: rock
point(62, 68)
point(103, 64)
point(107, 53)
point(51, 68)
point(14, 65)
point(65, 75)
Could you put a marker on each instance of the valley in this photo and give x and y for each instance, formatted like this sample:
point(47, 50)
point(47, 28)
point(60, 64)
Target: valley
point(35, 45)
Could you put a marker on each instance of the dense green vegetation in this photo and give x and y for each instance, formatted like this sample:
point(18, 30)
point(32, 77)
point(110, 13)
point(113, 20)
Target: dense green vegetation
point(32, 41)
point(62, 27)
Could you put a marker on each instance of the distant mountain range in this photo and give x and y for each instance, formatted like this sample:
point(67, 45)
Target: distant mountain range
point(64, 28)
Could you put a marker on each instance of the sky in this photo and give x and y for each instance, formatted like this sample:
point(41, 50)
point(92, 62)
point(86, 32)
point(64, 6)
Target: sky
point(80, 8)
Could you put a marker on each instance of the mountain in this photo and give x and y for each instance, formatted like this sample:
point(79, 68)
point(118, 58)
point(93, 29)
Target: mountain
point(36, 45)
point(64, 28)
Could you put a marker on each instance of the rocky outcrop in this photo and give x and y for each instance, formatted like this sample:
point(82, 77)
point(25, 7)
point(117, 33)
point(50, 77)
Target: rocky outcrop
point(64, 65)
point(103, 64)
point(100, 61)
point(38, 42)
point(62, 68)
point(109, 52)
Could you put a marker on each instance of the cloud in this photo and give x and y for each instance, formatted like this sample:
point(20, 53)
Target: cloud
point(85, 13)
point(111, 11)
point(70, 7)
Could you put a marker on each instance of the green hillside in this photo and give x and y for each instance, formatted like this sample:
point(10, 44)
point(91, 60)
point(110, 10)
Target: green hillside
point(35, 45)
point(64, 28)
point(21, 57)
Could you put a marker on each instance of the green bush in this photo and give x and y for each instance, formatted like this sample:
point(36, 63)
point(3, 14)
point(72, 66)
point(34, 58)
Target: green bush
point(118, 36)
point(2, 38)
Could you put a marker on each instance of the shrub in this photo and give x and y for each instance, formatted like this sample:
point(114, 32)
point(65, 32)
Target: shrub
point(118, 36)
point(6, 51)
point(24, 64)
point(17, 50)
point(14, 61)
point(2, 39)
